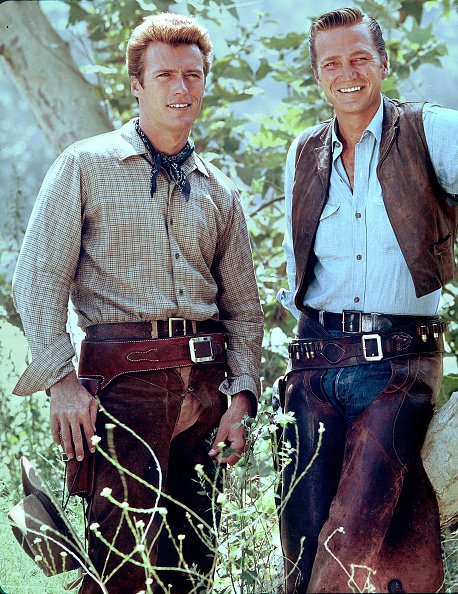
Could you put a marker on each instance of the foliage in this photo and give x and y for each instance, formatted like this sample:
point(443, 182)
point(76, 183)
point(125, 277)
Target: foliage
point(247, 142)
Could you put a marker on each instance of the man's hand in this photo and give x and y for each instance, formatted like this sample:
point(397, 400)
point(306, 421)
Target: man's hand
point(230, 431)
point(73, 413)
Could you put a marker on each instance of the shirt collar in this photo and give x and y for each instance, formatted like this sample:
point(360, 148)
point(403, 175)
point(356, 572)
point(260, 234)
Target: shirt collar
point(375, 127)
point(131, 144)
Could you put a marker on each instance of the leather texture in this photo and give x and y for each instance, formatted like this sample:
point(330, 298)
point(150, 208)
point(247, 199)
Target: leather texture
point(368, 480)
point(110, 359)
point(344, 351)
point(143, 445)
point(153, 329)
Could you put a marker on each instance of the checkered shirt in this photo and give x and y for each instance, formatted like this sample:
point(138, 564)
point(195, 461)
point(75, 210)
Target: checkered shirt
point(97, 236)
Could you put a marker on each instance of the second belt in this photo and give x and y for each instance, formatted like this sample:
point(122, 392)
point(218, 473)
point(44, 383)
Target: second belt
point(108, 359)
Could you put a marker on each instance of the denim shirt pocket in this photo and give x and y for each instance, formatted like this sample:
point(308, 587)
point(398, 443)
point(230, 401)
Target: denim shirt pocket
point(328, 242)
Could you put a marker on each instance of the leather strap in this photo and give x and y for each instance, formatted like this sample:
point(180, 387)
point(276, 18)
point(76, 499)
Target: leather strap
point(80, 476)
point(357, 321)
point(111, 358)
point(152, 329)
point(359, 350)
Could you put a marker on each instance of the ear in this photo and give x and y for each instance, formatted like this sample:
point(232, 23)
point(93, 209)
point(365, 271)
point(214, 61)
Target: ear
point(317, 77)
point(135, 86)
point(385, 69)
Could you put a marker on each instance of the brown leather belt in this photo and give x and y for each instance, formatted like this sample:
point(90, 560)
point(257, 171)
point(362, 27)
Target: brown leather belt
point(108, 359)
point(344, 351)
point(151, 329)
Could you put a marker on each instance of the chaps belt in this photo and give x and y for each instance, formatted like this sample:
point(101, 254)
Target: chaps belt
point(108, 359)
point(345, 351)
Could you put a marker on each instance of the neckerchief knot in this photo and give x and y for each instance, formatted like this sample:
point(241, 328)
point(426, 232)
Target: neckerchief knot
point(170, 163)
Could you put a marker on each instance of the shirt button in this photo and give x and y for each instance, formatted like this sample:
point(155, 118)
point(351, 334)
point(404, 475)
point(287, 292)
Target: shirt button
point(359, 257)
point(171, 221)
point(177, 255)
point(356, 299)
point(180, 291)
point(358, 215)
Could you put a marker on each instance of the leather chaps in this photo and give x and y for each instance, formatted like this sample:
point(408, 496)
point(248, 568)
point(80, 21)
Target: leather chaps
point(364, 513)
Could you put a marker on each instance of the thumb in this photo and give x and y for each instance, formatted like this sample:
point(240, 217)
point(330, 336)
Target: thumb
point(220, 438)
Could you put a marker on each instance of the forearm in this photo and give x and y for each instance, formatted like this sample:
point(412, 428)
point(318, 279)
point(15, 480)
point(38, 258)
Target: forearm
point(44, 273)
point(240, 310)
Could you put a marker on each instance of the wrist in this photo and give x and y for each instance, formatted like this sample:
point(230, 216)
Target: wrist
point(64, 383)
point(244, 400)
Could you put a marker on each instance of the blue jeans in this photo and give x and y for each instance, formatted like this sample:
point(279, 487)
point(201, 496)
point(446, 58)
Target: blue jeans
point(352, 389)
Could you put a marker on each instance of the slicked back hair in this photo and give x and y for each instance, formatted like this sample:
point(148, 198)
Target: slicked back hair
point(170, 28)
point(345, 17)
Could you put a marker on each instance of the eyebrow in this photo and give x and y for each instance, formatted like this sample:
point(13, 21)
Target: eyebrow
point(193, 69)
point(337, 56)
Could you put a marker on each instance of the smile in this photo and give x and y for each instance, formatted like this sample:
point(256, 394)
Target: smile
point(350, 90)
point(179, 105)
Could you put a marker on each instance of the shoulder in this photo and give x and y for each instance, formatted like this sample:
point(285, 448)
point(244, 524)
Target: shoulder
point(435, 114)
point(102, 145)
point(218, 181)
point(119, 143)
point(314, 135)
point(403, 111)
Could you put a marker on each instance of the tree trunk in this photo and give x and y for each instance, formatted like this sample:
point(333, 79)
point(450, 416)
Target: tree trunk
point(63, 103)
point(439, 456)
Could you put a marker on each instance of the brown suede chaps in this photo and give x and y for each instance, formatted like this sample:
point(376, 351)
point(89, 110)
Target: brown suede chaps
point(142, 439)
point(365, 512)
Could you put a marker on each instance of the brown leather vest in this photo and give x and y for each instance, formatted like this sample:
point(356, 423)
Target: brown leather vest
point(420, 211)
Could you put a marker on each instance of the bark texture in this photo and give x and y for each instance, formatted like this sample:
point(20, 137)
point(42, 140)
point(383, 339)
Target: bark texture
point(440, 454)
point(63, 103)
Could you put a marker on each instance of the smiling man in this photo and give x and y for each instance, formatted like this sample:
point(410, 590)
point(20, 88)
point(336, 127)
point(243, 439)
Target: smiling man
point(370, 228)
point(150, 243)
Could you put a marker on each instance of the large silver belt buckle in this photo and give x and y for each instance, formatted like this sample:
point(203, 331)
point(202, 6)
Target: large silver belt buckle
point(371, 354)
point(201, 349)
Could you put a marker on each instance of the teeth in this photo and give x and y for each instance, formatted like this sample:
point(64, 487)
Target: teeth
point(350, 90)
point(179, 105)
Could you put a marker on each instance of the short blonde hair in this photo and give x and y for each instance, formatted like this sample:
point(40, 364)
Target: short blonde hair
point(170, 28)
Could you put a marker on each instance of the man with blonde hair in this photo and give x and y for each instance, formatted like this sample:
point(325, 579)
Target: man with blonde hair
point(149, 241)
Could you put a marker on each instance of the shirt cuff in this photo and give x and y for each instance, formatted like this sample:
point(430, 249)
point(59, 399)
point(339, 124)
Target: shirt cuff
point(243, 383)
point(286, 298)
point(50, 366)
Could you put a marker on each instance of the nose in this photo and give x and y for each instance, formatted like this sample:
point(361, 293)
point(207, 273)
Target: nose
point(348, 71)
point(181, 85)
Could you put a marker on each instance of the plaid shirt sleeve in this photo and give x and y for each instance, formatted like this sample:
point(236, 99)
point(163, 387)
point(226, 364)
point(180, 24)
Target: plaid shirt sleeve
point(44, 273)
point(238, 304)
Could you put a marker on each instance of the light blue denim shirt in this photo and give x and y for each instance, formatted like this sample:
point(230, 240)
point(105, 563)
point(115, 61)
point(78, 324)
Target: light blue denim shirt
point(360, 264)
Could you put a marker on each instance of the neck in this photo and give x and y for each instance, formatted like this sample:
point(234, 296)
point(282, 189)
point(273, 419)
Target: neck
point(352, 126)
point(166, 142)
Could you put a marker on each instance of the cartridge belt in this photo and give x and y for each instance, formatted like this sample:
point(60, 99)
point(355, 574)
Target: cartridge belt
point(360, 349)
